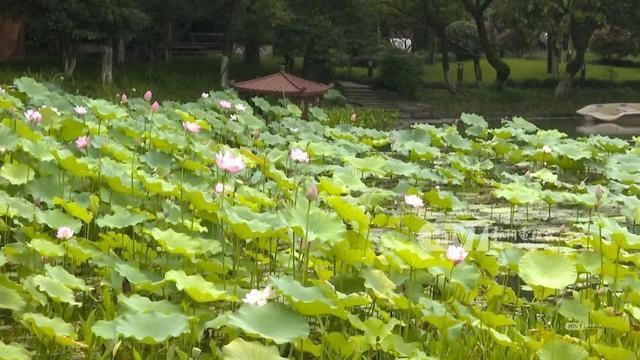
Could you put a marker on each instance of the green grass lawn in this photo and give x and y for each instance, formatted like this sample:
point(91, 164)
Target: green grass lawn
point(525, 69)
point(181, 80)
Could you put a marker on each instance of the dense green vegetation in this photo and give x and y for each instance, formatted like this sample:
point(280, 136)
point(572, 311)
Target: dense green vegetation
point(222, 228)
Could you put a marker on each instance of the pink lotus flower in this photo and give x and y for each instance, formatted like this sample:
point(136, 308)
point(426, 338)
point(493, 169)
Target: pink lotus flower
point(299, 155)
point(124, 99)
point(312, 192)
point(219, 188)
point(354, 117)
point(155, 107)
point(259, 297)
point(414, 200)
point(546, 149)
point(225, 104)
point(33, 116)
point(204, 95)
point(241, 107)
point(64, 233)
point(80, 110)
point(191, 127)
point(456, 254)
point(148, 95)
point(82, 142)
point(230, 163)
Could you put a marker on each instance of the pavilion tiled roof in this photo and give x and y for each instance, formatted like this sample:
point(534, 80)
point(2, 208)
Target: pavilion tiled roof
point(282, 83)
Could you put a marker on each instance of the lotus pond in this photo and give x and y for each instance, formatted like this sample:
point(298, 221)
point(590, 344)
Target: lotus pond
point(227, 229)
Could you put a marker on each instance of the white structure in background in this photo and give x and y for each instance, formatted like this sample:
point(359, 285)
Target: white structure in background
point(401, 43)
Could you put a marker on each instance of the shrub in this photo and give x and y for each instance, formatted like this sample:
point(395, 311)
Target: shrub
point(464, 41)
point(611, 42)
point(401, 72)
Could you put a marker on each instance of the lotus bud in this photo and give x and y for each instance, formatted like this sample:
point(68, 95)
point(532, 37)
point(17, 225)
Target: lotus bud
point(599, 192)
point(528, 174)
point(546, 149)
point(155, 107)
point(354, 117)
point(124, 99)
point(312, 192)
point(148, 95)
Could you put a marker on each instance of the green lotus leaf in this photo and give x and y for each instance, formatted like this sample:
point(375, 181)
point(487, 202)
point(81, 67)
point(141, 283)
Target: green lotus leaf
point(121, 218)
point(8, 138)
point(466, 275)
point(61, 275)
point(40, 149)
point(549, 270)
point(453, 139)
point(517, 194)
point(574, 310)
point(319, 225)
point(350, 180)
point(77, 166)
point(248, 224)
point(138, 277)
point(477, 125)
point(240, 349)
point(16, 173)
point(351, 213)
point(378, 282)
point(182, 244)
point(46, 248)
point(376, 330)
point(199, 289)
point(308, 301)
point(555, 349)
point(46, 188)
point(441, 199)
point(140, 304)
point(56, 219)
point(502, 339)
point(610, 321)
point(55, 290)
point(106, 110)
point(14, 351)
point(272, 322)
point(10, 299)
point(491, 319)
point(372, 164)
point(614, 353)
point(56, 328)
point(148, 328)
point(75, 210)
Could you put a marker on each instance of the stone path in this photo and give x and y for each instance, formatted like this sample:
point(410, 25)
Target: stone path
point(410, 112)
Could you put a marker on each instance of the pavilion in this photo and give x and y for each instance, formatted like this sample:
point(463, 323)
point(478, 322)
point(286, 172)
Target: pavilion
point(301, 91)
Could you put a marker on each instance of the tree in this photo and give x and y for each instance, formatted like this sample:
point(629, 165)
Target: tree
point(69, 23)
point(477, 8)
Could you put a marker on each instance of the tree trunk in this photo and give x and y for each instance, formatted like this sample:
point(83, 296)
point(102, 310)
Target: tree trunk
point(107, 63)
point(446, 71)
point(549, 42)
point(69, 57)
point(227, 46)
point(252, 51)
point(477, 70)
point(502, 69)
point(580, 36)
point(431, 57)
point(121, 51)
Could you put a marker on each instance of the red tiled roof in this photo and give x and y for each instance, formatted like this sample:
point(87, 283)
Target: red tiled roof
point(282, 83)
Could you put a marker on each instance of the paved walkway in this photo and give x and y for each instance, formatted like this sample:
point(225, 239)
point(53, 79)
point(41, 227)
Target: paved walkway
point(410, 112)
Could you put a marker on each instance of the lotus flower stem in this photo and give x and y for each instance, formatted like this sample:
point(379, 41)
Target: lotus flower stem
point(306, 241)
